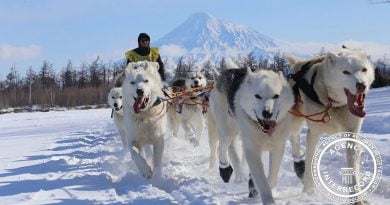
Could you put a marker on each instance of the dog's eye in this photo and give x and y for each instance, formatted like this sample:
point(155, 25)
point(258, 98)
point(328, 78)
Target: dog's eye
point(120, 97)
point(364, 70)
point(132, 82)
point(200, 78)
point(113, 98)
point(346, 72)
point(276, 96)
point(257, 96)
point(145, 81)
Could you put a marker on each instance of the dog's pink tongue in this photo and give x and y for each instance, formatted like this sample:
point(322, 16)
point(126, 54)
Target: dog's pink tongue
point(355, 109)
point(272, 125)
point(136, 105)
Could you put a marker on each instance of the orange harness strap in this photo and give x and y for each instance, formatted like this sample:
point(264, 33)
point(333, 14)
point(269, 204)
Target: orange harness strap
point(185, 93)
point(325, 114)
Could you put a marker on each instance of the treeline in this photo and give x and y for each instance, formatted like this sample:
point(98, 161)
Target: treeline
point(89, 83)
point(184, 65)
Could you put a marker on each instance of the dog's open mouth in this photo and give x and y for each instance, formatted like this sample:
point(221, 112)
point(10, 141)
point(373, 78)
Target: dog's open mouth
point(140, 104)
point(355, 103)
point(195, 86)
point(267, 126)
point(118, 108)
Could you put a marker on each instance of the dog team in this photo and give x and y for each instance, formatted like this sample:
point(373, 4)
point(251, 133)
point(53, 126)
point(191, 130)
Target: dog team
point(262, 109)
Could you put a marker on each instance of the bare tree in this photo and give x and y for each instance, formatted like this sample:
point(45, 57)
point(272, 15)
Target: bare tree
point(208, 69)
point(95, 73)
point(67, 76)
point(222, 65)
point(251, 61)
point(31, 77)
point(82, 76)
point(262, 62)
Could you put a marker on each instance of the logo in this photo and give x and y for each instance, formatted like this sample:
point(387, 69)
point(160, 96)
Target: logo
point(337, 176)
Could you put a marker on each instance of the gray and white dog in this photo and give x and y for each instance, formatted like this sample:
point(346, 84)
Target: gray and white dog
point(254, 105)
point(340, 79)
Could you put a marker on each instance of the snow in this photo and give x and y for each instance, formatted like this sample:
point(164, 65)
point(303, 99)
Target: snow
point(76, 157)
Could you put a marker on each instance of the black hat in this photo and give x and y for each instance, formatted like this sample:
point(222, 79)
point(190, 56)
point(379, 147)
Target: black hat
point(143, 35)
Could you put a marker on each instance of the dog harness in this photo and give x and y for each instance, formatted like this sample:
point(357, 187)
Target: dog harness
point(306, 87)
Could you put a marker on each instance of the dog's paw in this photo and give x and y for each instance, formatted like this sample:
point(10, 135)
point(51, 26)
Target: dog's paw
point(252, 189)
point(157, 173)
point(299, 168)
point(226, 173)
point(147, 172)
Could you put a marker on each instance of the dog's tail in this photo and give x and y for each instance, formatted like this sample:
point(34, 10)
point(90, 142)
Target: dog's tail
point(118, 81)
point(297, 64)
point(230, 64)
point(292, 60)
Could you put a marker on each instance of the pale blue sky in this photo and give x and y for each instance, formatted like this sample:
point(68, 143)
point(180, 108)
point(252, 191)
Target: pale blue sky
point(57, 30)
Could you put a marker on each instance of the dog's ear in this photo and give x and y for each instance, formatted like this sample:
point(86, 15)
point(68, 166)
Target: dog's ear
point(250, 74)
point(130, 66)
point(332, 57)
point(249, 70)
point(127, 71)
point(155, 65)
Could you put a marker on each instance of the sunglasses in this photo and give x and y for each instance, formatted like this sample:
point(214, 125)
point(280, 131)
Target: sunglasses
point(144, 40)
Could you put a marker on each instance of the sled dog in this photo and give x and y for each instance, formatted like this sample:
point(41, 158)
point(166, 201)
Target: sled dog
point(192, 113)
point(144, 114)
point(115, 100)
point(259, 103)
point(191, 109)
point(338, 81)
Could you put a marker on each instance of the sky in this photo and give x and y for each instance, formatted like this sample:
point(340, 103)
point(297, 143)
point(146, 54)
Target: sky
point(57, 30)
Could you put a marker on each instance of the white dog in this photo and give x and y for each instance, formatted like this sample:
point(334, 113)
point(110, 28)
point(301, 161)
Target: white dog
point(144, 114)
point(115, 100)
point(259, 103)
point(191, 110)
point(192, 114)
point(338, 81)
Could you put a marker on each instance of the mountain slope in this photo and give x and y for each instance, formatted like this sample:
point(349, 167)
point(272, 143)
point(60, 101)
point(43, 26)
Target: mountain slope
point(202, 34)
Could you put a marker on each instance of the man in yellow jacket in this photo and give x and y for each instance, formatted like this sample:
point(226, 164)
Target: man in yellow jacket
point(144, 52)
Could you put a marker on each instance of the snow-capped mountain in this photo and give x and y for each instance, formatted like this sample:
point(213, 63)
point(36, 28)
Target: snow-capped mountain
point(205, 36)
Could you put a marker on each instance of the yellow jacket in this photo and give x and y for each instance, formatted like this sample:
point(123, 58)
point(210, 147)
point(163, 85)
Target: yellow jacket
point(132, 56)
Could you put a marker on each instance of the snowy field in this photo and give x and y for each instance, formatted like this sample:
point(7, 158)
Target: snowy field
point(76, 157)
